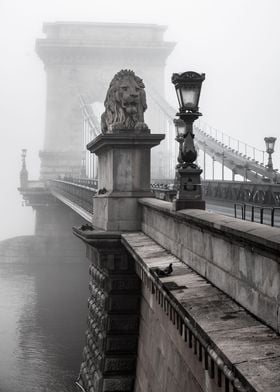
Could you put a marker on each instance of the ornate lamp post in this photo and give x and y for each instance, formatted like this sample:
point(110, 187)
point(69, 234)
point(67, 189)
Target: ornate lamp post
point(270, 143)
point(189, 195)
point(23, 172)
point(83, 172)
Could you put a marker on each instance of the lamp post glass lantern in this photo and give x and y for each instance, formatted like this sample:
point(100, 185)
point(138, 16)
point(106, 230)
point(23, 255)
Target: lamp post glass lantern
point(188, 87)
point(270, 143)
point(180, 127)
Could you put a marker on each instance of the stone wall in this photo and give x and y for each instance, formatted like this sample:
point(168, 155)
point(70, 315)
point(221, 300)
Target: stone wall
point(165, 363)
point(240, 258)
point(109, 355)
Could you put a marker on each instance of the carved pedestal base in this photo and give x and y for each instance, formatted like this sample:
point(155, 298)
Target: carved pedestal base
point(189, 194)
point(109, 356)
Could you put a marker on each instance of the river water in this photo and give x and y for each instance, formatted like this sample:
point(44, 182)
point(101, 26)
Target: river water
point(42, 320)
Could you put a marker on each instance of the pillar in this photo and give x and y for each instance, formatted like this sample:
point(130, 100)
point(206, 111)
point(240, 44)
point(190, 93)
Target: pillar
point(124, 176)
point(109, 356)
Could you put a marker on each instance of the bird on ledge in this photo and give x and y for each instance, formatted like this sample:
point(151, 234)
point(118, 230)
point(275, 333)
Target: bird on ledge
point(165, 272)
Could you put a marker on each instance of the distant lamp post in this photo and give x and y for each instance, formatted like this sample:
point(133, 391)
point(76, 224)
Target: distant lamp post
point(23, 172)
point(83, 171)
point(270, 143)
point(188, 87)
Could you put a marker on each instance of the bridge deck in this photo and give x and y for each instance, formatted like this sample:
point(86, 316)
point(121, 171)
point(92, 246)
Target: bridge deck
point(250, 349)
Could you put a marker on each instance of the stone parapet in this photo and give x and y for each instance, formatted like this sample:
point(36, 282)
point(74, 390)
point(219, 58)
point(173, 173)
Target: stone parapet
point(240, 258)
point(193, 337)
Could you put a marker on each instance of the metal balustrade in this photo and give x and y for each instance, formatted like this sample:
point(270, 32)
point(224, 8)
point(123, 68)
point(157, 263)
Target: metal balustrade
point(87, 182)
point(232, 143)
point(252, 201)
point(247, 192)
point(264, 195)
point(259, 214)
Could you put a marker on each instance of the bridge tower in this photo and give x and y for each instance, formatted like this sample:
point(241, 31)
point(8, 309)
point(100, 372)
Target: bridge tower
point(81, 58)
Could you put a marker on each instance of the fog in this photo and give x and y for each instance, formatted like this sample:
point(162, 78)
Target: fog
point(235, 42)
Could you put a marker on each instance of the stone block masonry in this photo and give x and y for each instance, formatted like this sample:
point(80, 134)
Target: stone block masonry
point(175, 333)
point(240, 258)
point(109, 356)
point(193, 337)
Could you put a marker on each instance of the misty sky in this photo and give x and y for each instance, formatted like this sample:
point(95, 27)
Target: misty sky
point(235, 42)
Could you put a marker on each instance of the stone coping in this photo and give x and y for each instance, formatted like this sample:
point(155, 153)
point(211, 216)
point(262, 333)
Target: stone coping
point(224, 336)
point(253, 234)
point(74, 206)
point(125, 139)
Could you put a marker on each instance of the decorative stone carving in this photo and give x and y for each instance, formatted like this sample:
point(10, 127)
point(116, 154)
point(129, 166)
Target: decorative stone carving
point(125, 103)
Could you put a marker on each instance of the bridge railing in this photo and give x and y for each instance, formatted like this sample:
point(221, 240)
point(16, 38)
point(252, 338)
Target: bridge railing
point(78, 191)
point(232, 143)
point(238, 191)
point(87, 182)
point(259, 214)
point(247, 192)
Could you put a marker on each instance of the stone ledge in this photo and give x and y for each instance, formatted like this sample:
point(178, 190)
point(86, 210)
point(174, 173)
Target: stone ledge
point(254, 234)
point(238, 344)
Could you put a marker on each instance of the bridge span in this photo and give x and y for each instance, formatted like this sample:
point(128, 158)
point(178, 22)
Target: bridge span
point(179, 301)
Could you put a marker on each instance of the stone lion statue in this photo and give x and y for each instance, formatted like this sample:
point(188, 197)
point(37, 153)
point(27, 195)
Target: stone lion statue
point(125, 103)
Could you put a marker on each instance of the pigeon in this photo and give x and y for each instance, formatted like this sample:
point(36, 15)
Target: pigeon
point(86, 227)
point(167, 271)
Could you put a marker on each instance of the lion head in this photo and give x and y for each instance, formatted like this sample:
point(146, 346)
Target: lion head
point(125, 103)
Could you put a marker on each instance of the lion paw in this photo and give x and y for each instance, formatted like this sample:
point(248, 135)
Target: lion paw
point(141, 125)
point(117, 126)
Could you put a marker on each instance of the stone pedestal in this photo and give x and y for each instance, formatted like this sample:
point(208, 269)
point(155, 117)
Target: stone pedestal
point(124, 176)
point(109, 356)
point(189, 193)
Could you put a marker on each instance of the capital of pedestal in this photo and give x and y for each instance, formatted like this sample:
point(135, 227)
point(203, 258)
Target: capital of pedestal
point(124, 176)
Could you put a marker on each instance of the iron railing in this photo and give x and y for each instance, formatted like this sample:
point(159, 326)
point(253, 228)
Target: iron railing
point(87, 182)
point(259, 214)
point(256, 202)
point(265, 195)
